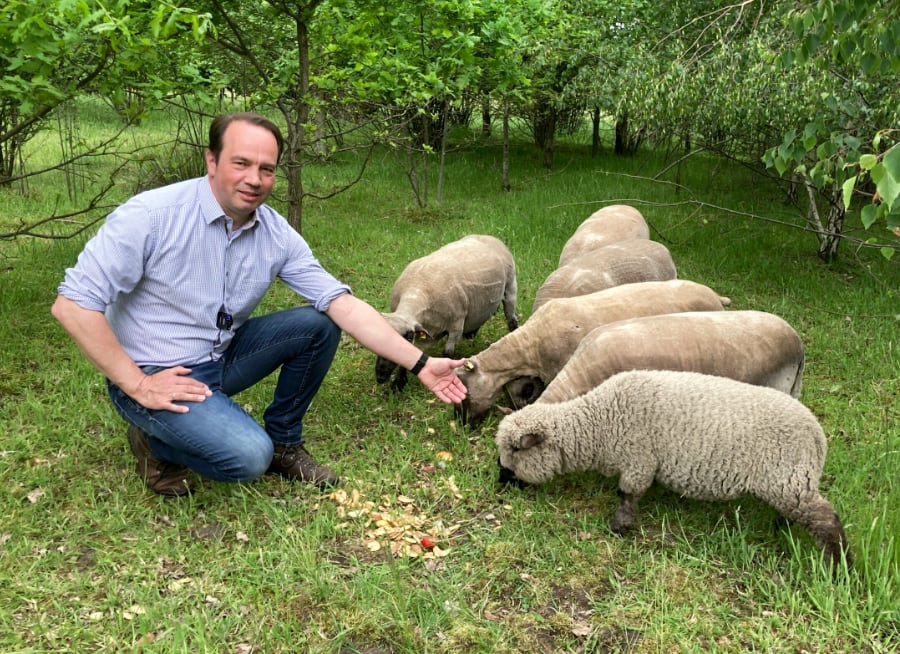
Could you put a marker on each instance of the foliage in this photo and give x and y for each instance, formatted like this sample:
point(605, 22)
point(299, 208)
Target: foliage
point(91, 561)
point(51, 52)
point(852, 142)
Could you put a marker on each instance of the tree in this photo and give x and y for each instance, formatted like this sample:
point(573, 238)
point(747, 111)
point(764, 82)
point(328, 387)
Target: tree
point(50, 52)
point(850, 149)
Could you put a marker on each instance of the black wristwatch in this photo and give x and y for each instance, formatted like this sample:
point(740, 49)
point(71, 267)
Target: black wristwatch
point(416, 369)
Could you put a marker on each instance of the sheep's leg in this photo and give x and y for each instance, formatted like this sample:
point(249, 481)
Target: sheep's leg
point(509, 307)
point(819, 518)
point(625, 514)
point(632, 486)
point(399, 381)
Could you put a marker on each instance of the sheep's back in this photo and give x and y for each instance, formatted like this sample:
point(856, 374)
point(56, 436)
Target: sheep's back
point(713, 437)
point(612, 265)
point(618, 222)
point(750, 346)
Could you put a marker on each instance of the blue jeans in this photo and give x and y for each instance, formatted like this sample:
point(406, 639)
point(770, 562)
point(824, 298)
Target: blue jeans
point(217, 438)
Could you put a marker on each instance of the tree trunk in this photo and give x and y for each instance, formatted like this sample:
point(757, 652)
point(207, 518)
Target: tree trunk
point(485, 116)
point(621, 146)
point(297, 117)
point(504, 173)
point(441, 168)
point(595, 132)
point(834, 227)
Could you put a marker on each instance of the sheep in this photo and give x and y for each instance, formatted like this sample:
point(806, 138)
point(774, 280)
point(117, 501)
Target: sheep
point(541, 346)
point(702, 436)
point(617, 222)
point(453, 291)
point(750, 346)
point(637, 260)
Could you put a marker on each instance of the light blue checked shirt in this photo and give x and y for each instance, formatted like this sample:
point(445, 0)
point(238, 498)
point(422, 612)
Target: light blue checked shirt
point(165, 262)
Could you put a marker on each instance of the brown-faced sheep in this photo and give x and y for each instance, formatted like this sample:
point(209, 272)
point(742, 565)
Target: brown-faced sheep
point(543, 344)
point(453, 291)
point(702, 436)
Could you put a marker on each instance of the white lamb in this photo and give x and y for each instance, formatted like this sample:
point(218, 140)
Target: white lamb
point(702, 436)
point(453, 291)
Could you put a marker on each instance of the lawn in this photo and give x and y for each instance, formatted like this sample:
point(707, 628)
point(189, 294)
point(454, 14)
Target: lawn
point(92, 561)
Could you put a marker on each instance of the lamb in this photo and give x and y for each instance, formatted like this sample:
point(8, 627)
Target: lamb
point(626, 262)
point(755, 347)
point(702, 436)
point(541, 346)
point(453, 291)
point(617, 222)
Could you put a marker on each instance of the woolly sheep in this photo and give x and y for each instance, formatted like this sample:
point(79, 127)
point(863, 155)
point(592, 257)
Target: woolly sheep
point(617, 222)
point(626, 262)
point(702, 436)
point(542, 345)
point(453, 291)
point(750, 346)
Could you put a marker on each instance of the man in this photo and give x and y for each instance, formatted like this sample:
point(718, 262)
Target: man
point(160, 302)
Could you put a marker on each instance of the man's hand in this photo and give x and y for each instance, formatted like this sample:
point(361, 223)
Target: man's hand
point(439, 376)
point(162, 389)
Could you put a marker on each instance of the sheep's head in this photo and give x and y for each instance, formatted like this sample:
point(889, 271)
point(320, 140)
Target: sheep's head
point(523, 391)
point(527, 449)
point(480, 394)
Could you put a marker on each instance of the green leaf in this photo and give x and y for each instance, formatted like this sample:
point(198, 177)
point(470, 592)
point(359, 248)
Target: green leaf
point(868, 161)
point(887, 252)
point(868, 215)
point(847, 189)
point(891, 162)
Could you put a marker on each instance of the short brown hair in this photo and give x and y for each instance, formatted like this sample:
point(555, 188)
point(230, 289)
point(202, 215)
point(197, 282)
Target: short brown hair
point(221, 123)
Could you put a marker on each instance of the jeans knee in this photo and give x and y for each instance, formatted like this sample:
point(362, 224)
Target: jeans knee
point(247, 462)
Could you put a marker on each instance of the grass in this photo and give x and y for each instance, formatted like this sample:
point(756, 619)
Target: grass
point(91, 561)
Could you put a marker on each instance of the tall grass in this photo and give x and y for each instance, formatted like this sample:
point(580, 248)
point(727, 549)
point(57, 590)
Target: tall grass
point(91, 561)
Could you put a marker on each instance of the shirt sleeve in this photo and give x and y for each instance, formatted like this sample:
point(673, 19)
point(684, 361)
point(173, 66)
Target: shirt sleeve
point(303, 273)
point(112, 262)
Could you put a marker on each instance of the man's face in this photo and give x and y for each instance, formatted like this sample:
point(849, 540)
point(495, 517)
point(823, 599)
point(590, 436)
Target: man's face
point(243, 176)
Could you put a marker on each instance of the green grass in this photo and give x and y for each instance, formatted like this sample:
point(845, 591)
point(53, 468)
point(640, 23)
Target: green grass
point(91, 561)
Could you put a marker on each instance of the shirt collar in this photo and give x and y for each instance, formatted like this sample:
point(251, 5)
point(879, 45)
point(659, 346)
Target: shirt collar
point(212, 211)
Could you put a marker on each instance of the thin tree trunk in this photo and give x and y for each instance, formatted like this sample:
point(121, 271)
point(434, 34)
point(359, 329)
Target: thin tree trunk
point(485, 115)
point(595, 132)
point(504, 172)
point(441, 168)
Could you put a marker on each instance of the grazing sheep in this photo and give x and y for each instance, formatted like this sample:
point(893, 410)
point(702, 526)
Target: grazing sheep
point(452, 291)
point(637, 260)
point(543, 344)
point(704, 437)
point(750, 346)
point(617, 222)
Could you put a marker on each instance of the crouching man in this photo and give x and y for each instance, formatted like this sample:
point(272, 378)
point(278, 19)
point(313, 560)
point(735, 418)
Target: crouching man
point(160, 302)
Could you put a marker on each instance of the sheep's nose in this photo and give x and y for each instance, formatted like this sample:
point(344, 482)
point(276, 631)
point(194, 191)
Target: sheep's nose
point(508, 477)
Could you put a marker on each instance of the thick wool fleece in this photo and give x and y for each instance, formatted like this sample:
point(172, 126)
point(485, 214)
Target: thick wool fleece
point(702, 436)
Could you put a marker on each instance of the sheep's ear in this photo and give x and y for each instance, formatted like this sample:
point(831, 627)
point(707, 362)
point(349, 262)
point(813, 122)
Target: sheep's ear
point(529, 440)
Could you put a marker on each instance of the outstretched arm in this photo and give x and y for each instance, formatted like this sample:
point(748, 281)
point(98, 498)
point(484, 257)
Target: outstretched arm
point(371, 330)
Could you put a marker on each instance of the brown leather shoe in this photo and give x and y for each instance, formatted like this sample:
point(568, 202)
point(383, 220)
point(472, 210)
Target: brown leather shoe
point(294, 462)
point(160, 476)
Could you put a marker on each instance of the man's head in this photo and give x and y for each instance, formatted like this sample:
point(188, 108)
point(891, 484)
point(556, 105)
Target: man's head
point(241, 161)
